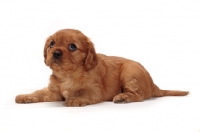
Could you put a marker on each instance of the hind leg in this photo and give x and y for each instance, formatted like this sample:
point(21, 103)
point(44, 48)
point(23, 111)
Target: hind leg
point(131, 88)
point(136, 83)
point(131, 92)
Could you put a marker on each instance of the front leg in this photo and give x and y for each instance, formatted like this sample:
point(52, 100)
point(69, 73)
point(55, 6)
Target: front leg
point(43, 95)
point(82, 97)
point(74, 101)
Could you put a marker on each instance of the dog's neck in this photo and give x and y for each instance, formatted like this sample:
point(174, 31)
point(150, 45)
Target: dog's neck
point(62, 74)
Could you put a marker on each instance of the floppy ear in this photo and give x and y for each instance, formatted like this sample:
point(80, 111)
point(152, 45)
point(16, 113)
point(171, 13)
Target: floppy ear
point(45, 55)
point(91, 58)
point(45, 49)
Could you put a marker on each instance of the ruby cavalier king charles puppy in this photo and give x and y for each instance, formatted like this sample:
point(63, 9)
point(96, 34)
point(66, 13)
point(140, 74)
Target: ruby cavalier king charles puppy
point(82, 77)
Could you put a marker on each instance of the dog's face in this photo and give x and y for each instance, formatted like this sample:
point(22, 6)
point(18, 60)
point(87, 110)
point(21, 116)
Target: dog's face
point(68, 49)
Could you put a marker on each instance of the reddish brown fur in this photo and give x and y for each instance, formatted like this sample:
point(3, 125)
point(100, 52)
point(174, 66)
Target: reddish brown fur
point(83, 77)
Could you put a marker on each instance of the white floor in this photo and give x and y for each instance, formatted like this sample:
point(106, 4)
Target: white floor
point(164, 36)
point(167, 114)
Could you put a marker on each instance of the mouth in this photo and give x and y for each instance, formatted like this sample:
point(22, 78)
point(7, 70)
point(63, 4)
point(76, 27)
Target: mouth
point(54, 62)
point(59, 65)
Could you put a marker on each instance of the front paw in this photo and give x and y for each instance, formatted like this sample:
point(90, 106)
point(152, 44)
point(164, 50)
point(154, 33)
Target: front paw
point(75, 102)
point(26, 98)
point(121, 98)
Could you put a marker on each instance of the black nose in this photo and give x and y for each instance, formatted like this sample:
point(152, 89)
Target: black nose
point(57, 54)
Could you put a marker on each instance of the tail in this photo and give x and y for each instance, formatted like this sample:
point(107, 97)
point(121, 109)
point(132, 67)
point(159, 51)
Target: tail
point(174, 93)
point(160, 93)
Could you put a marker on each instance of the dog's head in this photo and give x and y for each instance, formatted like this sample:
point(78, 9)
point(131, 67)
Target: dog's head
point(68, 49)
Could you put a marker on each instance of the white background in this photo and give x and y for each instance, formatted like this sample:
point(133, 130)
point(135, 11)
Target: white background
point(163, 35)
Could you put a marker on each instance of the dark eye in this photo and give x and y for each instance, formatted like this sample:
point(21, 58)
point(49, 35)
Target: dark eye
point(52, 44)
point(72, 47)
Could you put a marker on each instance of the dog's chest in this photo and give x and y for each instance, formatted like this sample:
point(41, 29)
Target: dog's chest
point(73, 83)
point(68, 83)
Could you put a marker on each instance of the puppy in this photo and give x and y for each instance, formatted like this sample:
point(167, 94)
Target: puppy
point(81, 77)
